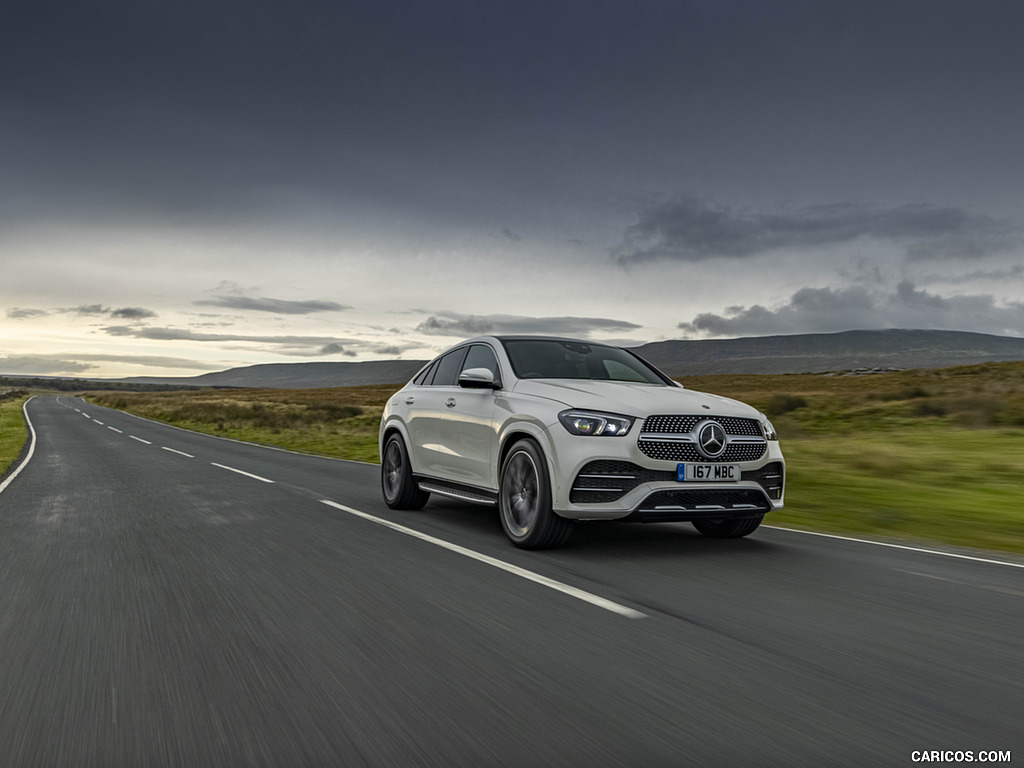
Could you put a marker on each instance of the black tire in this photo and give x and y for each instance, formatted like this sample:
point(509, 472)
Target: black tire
point(728, 529)
point(524, 500)
point(396, 483)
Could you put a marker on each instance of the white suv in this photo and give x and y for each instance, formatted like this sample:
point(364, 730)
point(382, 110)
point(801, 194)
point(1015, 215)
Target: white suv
point(557, 430)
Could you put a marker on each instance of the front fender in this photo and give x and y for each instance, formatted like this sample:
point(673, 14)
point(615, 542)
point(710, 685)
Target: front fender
point(517, 428)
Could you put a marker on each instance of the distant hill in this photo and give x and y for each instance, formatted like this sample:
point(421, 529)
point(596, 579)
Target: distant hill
point(299, 375)
point(64, 384)
point(807, 353)
point(819, 352)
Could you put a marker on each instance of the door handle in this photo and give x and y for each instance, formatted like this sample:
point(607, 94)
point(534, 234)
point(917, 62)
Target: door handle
point(449, 403)
point(409, 400)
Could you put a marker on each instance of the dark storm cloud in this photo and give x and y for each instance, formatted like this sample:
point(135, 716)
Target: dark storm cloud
point(180, 334)
point(291, 346)
point(391, 350)
point(958, 248)
point(691, 229)
point(125, 313)
point(132, 313)
point(20, 313)
point(335, 349)
point(277, 306)
point(213, 108)
point(824, 310)
point(152, 361)
point(75, 363)
point(90, 309)
point(451, 324)
point(1000, 275)
point(41, 365)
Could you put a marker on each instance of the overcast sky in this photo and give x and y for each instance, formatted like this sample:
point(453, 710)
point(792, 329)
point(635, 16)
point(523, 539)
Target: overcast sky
point(193, 186)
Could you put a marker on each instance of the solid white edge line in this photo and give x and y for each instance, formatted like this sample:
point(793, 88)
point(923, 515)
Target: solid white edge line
point(247, 474)
point(180, 453)
point(31, 448)
point(899, 546)
point(133, 437)
point(558, 586)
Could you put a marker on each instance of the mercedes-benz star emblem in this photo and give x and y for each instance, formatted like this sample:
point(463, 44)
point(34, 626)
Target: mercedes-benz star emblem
point(711, 439)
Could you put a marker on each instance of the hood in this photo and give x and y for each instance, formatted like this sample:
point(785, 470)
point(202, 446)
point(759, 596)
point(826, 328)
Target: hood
point(632, 399)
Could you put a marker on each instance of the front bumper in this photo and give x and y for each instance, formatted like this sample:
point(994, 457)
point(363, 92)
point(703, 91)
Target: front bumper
point(632, 486)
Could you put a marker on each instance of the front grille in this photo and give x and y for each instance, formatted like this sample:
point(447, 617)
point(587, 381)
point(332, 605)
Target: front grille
point(681, 425)
point(657, 438)
point(678, 505)
point(671, 450)
point(771, 477)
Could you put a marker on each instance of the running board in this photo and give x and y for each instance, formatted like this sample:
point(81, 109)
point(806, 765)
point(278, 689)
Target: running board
point(457, 493)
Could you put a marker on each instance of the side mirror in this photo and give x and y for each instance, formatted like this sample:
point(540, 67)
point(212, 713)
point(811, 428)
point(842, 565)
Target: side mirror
point(477, 378)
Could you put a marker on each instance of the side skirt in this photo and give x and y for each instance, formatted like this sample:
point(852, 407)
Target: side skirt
point(457, 491)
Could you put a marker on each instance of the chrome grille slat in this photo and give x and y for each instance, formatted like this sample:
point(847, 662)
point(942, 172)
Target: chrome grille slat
point(685, 423)
point(673, 451)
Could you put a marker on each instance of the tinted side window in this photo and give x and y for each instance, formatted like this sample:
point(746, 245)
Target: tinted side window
point(448, 367)
point(482, 356)
point(424, 375)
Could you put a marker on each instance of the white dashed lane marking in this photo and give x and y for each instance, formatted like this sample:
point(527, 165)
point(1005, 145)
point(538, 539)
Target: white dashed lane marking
point(239, 471)
point(180, 453)
point(133, 437)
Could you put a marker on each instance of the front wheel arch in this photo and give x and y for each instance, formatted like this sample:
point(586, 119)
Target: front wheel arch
point(524, 498)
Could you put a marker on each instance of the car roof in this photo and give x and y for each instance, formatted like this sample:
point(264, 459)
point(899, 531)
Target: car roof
point(531, 337)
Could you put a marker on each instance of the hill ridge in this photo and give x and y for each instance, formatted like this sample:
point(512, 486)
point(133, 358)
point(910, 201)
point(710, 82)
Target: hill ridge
point(798, 353)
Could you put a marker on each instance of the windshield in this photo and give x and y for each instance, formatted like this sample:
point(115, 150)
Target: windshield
point(553, 359)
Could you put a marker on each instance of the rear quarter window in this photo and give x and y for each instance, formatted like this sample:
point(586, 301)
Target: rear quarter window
point(424, 375)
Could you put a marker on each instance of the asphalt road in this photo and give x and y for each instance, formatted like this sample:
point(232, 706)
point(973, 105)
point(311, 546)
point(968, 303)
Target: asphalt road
point(160, 608)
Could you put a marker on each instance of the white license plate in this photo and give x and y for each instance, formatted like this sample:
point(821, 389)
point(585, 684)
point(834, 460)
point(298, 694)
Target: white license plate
point(722, 473)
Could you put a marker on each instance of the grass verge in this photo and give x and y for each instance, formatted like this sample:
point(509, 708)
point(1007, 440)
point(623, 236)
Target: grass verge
point(960, 487)
point(13, 430)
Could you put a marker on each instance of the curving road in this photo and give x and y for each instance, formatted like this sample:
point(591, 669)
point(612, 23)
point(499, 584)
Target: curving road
point(173, 599)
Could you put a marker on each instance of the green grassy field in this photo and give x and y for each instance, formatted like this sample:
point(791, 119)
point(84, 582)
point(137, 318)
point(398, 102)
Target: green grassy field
point(916, 455)
point(13, 430)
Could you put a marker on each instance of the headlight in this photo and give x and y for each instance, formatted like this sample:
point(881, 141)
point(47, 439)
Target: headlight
point(591, 423)
point(768, 429)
